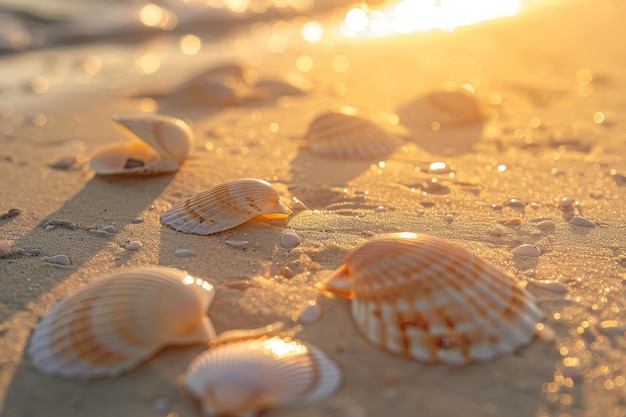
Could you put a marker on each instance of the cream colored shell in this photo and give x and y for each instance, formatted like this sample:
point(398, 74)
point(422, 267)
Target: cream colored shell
point(245, 377)
point(433, 301)
point(342, 135)
point(443, 109)
point(160, 145)
point(225, 206)
point(114, 324)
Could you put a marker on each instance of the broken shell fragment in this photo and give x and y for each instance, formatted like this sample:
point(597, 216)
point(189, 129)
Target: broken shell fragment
point(112, 325)
point(225, 206)
point(160, 145)
point(243, 378)
point(342, 135)
point(526, 250)
point(433, 301)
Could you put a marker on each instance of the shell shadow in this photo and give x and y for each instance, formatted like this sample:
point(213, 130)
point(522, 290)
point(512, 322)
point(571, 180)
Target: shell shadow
point(28, 392)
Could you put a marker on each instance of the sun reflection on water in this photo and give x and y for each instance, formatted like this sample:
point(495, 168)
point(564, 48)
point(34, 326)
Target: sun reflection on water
point(408, 16)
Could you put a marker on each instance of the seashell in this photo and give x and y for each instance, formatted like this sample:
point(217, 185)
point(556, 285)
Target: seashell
point(112, 325)
point(526, 250)
point(245, 377)
point(225, 206)
point(549, 285)
point(582, 221)
point(342, 135)
point(160, 145)
point(449, 109)
point(430, 300)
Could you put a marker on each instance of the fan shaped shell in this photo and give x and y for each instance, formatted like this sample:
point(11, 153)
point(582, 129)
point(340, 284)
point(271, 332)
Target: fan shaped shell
point(112, 325)
point(342, 135)
point(225, 206)
point(160, 145)
point(433, 301)
point(448, 109)
point(245, 377)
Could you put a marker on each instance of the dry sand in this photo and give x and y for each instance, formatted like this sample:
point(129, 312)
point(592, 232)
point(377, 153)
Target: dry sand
point(521, 68)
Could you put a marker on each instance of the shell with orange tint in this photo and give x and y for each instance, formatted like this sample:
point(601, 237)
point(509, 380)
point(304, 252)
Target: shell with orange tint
point(225, 206)
point(160, 145)
point(245, 377)
point(445, 109)
point(433, 301)
point(342, 135)
point(114, 324)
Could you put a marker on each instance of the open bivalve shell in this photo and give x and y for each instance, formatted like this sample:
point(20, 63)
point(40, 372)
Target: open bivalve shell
point(433, 301)
point(245, 377)
point(114, 324)
point(160, 145)
point(343, 135)
point(225, 206)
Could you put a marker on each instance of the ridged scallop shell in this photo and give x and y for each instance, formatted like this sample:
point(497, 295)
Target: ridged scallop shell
point(112, 325)
point(245, 377)
point(160, 145)
point(225, 206)
point(341, 135)
point(433, 301)
point(447, 108)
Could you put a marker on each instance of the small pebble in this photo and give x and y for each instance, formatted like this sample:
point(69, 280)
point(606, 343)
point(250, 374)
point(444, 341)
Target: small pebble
point(48, 228)
point(35, 252)
point(134, 245)
point(420, 212)
point(512, 222)
point(380, 209)
point(109, 229)
point(58, 260)
point(5, 244)
point(611, 328)
point(242, 284)
point(567, 203)
point(497, 231)
point(237, 243)
point(11, 213)
point(137, 220)
point(547, 223)
point(553, 286)
point(290, 240)
point(526, 250)
point(311, 313)
point(449, 218)
point(296, 252)
point(514, 202)
point(287, 272)
point(581, 221)
point(183, 253)
point(571, 368)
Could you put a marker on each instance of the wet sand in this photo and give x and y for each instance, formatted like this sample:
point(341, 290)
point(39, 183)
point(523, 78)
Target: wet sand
point(539, 144)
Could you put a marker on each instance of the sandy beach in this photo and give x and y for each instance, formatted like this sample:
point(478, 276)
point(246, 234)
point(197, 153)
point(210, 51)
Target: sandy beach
point(550, 82)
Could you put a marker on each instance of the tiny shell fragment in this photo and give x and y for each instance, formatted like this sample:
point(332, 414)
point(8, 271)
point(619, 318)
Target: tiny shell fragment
point(554, 286)
point(290, 240)
point(581, 221)
point(58, 260)
point(183, 253)
point(526, 250)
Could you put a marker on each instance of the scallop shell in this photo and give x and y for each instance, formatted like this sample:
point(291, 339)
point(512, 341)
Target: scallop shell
point(160, 145)
point(112, 325)
point(447, 108)
point(225, 206)
point(343, 135)
point(430, 300)
point(245, 377)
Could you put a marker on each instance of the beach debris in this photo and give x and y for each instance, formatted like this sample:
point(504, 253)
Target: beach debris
point(7, 249)
point(137, 220)
point(514, 203)
point(35, 252)
point(611, 328)
point(160, 145)
point(134, 245)
point(62, 260)
point(449, 217)
point(544, 223)
point(311, 313)
point(112, 325)
point(571, 368)
point(48, 228)
point(289, 240)
point(343, 135)
point(512, 222)
point(433, 301)
point(582, 221)
point(237, 243)
point(526, 250)
point(549, 285)
point(445, 109)
point(109, 229)
point(242, 378)
point(183, 253)
point(13, 212)
point(226, 206)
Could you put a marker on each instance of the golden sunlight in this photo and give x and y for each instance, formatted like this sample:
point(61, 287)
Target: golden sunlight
point(408, 16)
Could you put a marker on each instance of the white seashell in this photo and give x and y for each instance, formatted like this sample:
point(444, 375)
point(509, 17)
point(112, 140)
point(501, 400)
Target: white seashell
point(290, 240)
point(449, 109)
point(237, 243)
point(160, 145)
point(112, 325)
point(58, 260)
point(526, 250)
point(242, 378)
point(342, 135)
point(183, 253)
point(225, 206)
point(430, 300)
point(582, 221)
